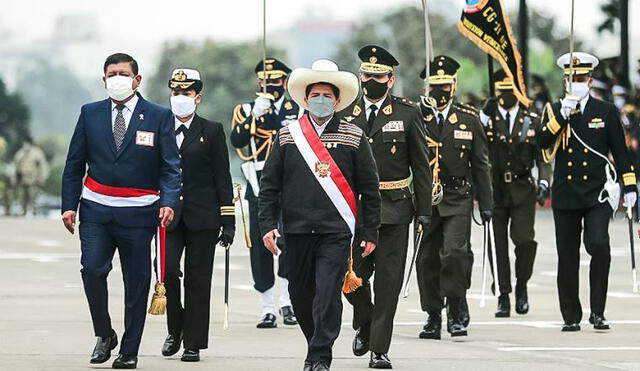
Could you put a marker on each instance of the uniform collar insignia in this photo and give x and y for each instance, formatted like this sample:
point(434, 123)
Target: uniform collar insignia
point(429, 117)
point(288, 106)
point(356, 110)
point(388, 109)
point(453, 118)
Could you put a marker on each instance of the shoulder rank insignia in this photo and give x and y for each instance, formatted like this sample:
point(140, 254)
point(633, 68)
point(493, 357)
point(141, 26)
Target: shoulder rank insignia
point(356, 110)
point(288, 106)
point(388, 110)
point(453, 118)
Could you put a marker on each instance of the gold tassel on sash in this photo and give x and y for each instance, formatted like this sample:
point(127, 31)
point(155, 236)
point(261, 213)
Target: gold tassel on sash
point(159, 301)
point(351, 281)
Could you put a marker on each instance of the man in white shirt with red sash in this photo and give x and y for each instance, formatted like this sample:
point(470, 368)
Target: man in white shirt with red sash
point(126, 147)
point(321, 174)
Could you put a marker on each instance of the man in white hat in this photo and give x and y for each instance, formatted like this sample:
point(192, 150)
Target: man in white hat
point(319, 166)
point(580, 131)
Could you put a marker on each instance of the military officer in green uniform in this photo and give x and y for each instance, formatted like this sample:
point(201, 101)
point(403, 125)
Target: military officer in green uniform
point(580, 131)
point(460, 169)
point(511, 131)
point(393, 126)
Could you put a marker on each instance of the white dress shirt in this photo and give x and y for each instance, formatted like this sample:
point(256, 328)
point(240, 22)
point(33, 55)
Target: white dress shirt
point(368, 103)
point(513, 111)
point(180, 137)
point(444, 112)
point(127, 112)
point(320, 128)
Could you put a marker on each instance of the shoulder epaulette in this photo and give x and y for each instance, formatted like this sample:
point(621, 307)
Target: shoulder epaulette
point(466, 108)
point(405, 101)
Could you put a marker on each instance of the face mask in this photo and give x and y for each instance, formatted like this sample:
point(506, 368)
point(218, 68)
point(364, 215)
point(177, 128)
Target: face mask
point(276, 90)
point(441, 97)
point(119, 87)
point(578, 89)
point(373, 89)
point(182, 105)
point(507, 99)
point(321, 107)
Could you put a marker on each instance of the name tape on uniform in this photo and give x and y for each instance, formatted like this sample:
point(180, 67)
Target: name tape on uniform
point(596, 123)
point(144, 138)
point(393, 126)
point(463, 134)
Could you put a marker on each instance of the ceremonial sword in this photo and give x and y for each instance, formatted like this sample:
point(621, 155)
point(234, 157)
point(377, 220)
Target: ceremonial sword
point(633, 252)
point(416, 246)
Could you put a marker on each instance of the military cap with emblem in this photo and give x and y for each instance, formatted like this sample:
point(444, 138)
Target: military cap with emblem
point(442, 70)
point(582, 64)
point(271, 69)
point(184, 79)
point(502, 81)
point(376, 60)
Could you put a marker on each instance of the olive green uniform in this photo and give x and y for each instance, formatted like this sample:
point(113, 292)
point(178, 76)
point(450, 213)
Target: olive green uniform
point(396, 139)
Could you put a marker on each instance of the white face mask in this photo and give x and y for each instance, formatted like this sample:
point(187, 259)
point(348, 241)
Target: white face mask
point(578, 89)
point(182, 105)
point(119, 87)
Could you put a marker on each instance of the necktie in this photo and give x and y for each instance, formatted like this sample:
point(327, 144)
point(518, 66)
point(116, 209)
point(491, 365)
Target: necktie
point(119, 127)
point(440, 122)
point(509, 123)
point(181, 129)
point(372, 115)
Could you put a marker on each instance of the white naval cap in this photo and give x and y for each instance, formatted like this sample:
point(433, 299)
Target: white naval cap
point(583, 63)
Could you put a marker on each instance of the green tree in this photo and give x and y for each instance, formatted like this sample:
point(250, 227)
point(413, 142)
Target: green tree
point(14, 120)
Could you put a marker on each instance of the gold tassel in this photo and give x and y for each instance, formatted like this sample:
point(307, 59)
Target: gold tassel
point(159, 301)
point(351, 281)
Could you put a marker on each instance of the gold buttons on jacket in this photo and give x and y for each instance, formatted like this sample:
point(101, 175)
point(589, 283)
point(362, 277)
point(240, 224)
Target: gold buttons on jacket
point(181, 198)
point(569, 177)
point(586, 150)
point(584, 163)
point(569, 163)
point(370, 140)
point(584, 177)
point(570, 150)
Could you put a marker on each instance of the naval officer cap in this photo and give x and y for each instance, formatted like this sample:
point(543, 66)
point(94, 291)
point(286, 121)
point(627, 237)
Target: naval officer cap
point(582, 63)
point(376, 60)
point(185, 79)
point(271, 68)
point(442, 70)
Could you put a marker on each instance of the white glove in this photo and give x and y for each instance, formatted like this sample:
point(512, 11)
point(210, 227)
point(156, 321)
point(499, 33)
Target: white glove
point(630, 199)
point(260, 105)
point(568, 106)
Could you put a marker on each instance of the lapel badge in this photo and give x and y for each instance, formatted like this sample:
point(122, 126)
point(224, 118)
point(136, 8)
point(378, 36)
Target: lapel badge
point(388, 109)
point(356, 110)
point(349, 118)
point(429, 117)
point(453, 118)
point(141, 117)
point(463, 126)
point(288, 106)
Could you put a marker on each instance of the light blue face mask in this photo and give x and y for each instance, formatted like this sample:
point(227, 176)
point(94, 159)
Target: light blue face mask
point(321, 107)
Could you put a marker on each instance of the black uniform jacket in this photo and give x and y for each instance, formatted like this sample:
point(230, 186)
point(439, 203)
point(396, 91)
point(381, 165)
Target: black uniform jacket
point(579, 174)
point(288, 184)
point(397, 145)
point(206, 201)
point(463, 159)
point(513, 156)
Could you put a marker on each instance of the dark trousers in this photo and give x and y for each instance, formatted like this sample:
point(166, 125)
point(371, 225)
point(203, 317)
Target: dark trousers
point(569, 226)
point(317, 264)
point(522, 234)
point(444, 262)
point(388, 262)
point(261, 258)
point(192, 320)
point(98, 243)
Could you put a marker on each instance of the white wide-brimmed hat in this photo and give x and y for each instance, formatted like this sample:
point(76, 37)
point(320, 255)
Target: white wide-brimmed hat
point(323, 70)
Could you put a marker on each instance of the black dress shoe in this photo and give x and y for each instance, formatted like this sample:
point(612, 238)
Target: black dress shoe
point(522, 300)
point(360, 344)
point(504, 306)
point(379, 360)
point(320, 366)
point(599, 322)
point(454, 323)
point(433, 327)
point(571, 327)
point(267, 321)
point(465, 318)
point(288, 317)
point(102, 351)
point(127, 362)
point(190, 355)
point(308, 366)
point(171, 345)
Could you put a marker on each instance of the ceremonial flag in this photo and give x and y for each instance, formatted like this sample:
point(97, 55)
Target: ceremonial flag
point(486, 24)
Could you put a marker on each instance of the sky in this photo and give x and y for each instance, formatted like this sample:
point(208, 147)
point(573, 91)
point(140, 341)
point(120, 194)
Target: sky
point(238, 19)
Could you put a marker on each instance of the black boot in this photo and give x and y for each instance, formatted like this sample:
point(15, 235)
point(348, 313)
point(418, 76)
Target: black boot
point(504, 306)
point(432, 328)
point(522, 299)
point(454, 324)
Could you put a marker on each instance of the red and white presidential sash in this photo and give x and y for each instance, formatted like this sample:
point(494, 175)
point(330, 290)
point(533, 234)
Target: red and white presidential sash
point(325, 169)
point(118, 196)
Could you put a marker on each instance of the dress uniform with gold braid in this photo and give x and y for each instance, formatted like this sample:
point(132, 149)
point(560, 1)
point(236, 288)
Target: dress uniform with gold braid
point(459, 148)
point(513, 152)
point(205, 205)
point(254, 128)
point(578, 182)
point(396, 138)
